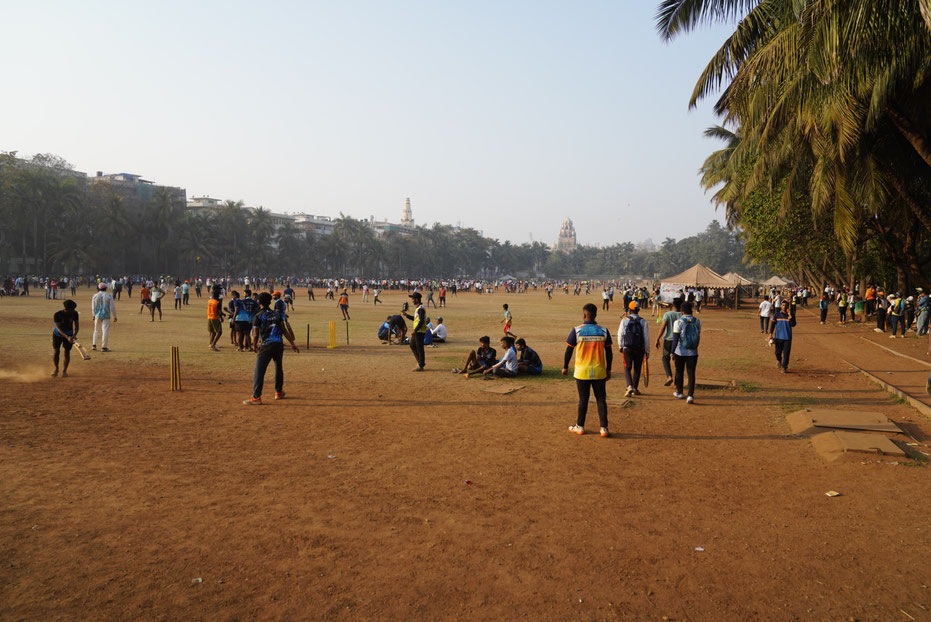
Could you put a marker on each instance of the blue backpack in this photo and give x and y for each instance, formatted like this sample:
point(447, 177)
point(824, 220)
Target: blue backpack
point(690, 335)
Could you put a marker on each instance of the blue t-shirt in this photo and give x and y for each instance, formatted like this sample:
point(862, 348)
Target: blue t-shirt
point(246, 310)
point(784, 324)
point(269, 324)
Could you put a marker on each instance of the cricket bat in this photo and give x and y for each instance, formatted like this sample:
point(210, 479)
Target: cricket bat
point(83, 351)
point(646, 374)
point(288, 331)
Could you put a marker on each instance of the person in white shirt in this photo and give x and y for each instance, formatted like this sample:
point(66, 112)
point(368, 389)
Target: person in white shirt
point(605, 300)
point(507, 366)
point(766, 309)
point(633, 336)
point(104, 309)
point(439, 333)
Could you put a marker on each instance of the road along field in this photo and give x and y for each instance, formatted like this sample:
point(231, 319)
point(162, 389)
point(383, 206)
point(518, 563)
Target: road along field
point(372, 492)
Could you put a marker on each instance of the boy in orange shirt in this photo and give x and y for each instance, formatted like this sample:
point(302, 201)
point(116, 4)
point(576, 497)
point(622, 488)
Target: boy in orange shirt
point(214, 318)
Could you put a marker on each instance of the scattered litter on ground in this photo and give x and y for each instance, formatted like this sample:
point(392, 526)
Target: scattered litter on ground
point(700, 549)
point(196, 581)
point(832, 493)
point(467, 482)
point(331, 457)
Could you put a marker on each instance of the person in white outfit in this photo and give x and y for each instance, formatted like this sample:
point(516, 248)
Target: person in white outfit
point(104, 309)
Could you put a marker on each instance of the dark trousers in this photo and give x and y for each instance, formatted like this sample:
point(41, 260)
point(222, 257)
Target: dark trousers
point(417, 348)
point(895, 321)
point(764, 324)
point(604, 304)
point(824, 315)
point(881, 319)
point(686, 364)
point(783, 349)
point(267, 354)
point(585, 388)
point(842, 311)
point(667, 352)
point(633, 364)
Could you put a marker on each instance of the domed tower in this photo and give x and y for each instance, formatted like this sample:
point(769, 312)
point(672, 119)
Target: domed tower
point(407, 217)
point(566, 241)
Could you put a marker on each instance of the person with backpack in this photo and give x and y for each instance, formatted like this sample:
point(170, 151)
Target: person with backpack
point(897, 314)
point(634, 337)
point(842, 306)
point(781, 336)
point(686, 336)
point(823, 307)
point(665, 333)
point(882, 306)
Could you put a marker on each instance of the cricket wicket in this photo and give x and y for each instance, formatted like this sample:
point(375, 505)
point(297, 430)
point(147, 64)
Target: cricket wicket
point(332, 345)
point(175, 369)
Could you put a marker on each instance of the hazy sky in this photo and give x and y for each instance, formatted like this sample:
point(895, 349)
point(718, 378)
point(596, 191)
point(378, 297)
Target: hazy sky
point(507, 116)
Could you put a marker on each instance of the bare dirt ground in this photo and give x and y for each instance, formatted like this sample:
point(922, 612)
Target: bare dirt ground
point(349, 499)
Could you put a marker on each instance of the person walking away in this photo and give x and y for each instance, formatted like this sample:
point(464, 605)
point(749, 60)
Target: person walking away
point(634, 337)
point(185, 293)
point(882, 306)
point(268, 330)
point(214, 318)
point(699, 297)
point(430, 299)
point(289, 297)
point(177, 295)
point(593, 351)
point(605, 303)
point(665, 334)
point(418, 331)
point(686, 336)
point(103, 309)
point(64, 333)
point(823, 308)
point(766, 309)
point(781, 335)
point(842, 306)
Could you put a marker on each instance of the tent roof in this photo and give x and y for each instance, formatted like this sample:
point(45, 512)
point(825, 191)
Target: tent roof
point(699, 276)
point(776, 282)
point(736, 278)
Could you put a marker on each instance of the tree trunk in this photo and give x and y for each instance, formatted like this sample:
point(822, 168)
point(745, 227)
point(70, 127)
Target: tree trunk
point(913, 205)
point(911, 133)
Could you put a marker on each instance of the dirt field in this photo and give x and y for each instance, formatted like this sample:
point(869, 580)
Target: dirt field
point(350, 499)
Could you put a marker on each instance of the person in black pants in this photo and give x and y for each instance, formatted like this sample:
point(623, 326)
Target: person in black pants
point(268, 328)
point(686, 334)
point(418, 331)
point(591, 344)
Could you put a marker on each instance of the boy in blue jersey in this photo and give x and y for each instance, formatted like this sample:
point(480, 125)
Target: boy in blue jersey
point(781, 333)
point(232, 308)
point(529, 361)
point(245, 312)
point(268, 329)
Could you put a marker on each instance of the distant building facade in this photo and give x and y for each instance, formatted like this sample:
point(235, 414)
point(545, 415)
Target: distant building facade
point(566, 241)
point(135, 191)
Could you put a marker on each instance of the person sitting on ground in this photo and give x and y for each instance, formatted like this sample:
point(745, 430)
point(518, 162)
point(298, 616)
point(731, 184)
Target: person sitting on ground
point(479, 360)
point(507, 366)
point(439, 332)
point(529, 362)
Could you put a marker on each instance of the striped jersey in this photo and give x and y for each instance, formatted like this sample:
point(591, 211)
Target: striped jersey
point(590, 341)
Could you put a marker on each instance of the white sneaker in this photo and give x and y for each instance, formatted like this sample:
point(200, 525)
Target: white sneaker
point(689, 400)
point(629, 392)
point(576, 429)
point(678, 395)
point(605, 433)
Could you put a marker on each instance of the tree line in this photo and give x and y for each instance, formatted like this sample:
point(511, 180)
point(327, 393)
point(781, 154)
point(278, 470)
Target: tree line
point(66, 226)
point(826, 163)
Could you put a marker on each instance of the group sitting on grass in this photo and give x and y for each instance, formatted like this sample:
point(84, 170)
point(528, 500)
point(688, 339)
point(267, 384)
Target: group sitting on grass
point(518, 359)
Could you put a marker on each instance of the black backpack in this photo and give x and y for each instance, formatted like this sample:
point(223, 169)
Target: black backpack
point(633, 335)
